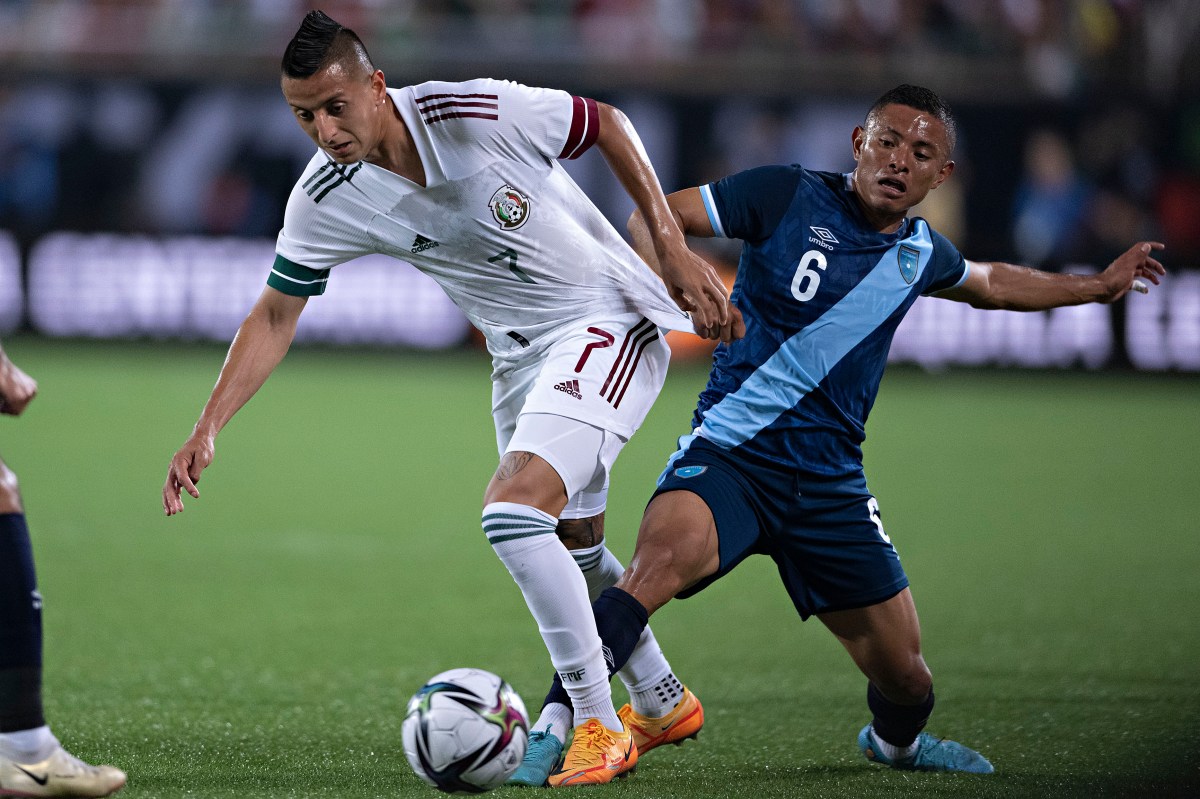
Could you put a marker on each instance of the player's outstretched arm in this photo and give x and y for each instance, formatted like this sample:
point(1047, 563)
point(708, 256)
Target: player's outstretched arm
point(691, 281)
point(17, 389)
point(259, 346)
point(687, 208)
point(996, 285)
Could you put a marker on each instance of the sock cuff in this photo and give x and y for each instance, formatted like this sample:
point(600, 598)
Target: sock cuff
point(625, 600)
point(507, 521)
point(14, 522)
point(898, 725)
point(589, 557)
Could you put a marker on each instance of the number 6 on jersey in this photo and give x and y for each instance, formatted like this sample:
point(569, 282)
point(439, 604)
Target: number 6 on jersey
point(806, 280)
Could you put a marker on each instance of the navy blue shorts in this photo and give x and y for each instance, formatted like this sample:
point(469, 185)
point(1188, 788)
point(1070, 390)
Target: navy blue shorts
point(823, 533)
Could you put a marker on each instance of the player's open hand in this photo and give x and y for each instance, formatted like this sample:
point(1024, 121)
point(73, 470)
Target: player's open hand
point(697, 288)
point(1130, 271)
point(17, 389)
point(192, 459)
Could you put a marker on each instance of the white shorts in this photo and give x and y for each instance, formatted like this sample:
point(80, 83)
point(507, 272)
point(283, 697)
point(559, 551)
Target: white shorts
point(605, 374)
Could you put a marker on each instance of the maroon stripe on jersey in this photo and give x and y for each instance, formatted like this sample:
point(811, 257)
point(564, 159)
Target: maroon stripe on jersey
point(627, 360)
point(475, 114)
point(444, 96)
point(585, 127)
point(458, 104)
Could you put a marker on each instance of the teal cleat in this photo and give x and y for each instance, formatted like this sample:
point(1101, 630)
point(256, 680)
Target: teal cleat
point(541, 757)
point(932, 755)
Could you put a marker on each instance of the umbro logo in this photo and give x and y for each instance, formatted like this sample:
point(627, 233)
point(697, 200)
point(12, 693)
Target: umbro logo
point(421, 244)
point(822, 239)
point(570, 387)
point(824, 234)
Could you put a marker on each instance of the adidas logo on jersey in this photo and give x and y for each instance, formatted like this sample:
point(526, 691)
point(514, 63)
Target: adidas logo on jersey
point(421, 244)
point(569, 387)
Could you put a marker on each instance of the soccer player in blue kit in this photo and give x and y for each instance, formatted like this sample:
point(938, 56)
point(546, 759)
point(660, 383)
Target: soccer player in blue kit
point(32, 761)
point(829, 266)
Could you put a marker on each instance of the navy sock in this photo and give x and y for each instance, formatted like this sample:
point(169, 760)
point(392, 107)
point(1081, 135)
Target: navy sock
point(620, 620)
point(20, 629)
point(896, 724)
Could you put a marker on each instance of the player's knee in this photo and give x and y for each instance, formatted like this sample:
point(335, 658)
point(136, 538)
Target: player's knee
point(908, 684)
point(10, 495)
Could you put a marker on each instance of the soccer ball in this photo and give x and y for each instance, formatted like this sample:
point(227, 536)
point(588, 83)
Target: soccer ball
point(465, 731)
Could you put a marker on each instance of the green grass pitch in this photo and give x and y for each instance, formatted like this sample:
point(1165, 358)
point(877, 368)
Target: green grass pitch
point(263, 644)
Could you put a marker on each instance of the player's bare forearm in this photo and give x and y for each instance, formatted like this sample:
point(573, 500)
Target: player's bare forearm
point(1002, 286)
point(260, 344)
point(687, 207)
point(17, 389)
point(622, 149)
point(691, 281)
point(688, 211)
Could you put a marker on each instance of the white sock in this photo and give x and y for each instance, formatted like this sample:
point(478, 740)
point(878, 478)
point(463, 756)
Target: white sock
point(525, 541)
point(893, 752)
point(658, 698)
point(28, 746)
point(647, 666)
point(597, 704)
point(555, 719)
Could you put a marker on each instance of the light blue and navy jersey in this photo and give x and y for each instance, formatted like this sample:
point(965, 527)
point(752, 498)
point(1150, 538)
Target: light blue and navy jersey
point(822, 293)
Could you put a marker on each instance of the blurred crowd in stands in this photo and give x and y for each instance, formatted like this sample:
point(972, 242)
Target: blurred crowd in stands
point(1098, 145)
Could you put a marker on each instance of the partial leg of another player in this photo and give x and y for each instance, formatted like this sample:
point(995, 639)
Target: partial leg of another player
point(661, 709)
point(885, 642)
point(32, 761)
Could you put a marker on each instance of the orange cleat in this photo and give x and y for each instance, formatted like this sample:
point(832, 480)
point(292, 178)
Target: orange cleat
point(596, 755)
point(682, 723)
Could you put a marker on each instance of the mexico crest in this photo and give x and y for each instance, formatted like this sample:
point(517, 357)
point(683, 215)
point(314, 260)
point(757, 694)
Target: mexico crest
point(509, 207)
point(908, 258)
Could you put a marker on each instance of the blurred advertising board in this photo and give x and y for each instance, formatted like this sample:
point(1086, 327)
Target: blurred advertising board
point(113, 286)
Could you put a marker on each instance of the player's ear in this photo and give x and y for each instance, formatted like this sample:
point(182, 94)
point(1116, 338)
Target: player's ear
point(946, 171)
point(857, 139)
point(378, 86)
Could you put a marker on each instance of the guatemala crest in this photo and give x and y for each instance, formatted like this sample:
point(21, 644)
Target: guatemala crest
point(509, 207)
point(908, 258)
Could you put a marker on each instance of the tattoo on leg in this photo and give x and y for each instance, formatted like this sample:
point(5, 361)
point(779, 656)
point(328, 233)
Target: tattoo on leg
point(512, 463)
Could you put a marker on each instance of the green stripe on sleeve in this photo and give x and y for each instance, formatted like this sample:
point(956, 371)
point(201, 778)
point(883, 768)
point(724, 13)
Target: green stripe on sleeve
point(299, 281)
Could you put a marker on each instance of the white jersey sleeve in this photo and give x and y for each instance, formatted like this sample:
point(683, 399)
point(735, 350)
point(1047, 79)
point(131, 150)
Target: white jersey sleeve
point(318, 232)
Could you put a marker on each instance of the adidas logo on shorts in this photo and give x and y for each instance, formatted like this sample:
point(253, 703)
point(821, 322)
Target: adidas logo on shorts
point(569, 387)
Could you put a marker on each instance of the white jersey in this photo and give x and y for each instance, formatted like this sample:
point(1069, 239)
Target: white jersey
point(500, 225)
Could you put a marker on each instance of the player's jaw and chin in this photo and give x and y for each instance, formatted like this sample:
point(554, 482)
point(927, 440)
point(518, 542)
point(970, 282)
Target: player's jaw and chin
point(343, 152)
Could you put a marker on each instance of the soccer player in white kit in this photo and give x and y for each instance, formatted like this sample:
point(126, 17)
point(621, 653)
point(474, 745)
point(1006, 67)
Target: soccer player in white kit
point(462, 180)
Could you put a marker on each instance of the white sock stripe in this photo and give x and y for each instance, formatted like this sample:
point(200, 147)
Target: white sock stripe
point(507, 521)
point(588, 559)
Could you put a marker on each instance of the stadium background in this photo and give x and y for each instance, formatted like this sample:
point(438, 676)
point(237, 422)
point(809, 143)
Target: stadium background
point(1036, 470)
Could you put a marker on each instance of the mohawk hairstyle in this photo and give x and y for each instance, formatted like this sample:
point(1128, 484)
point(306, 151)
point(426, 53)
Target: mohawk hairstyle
point(922, 99)
point(321, 41)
